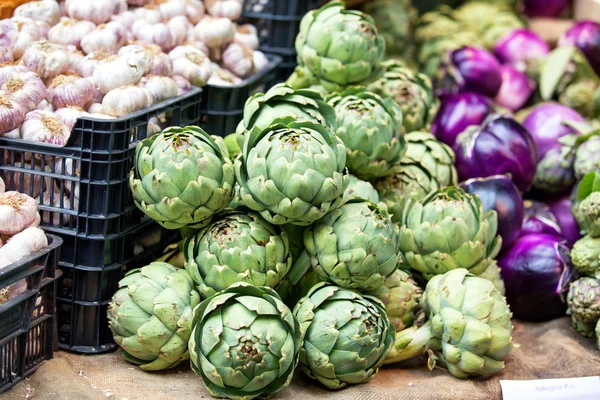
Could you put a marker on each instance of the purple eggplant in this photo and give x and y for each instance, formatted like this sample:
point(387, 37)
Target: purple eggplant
point(500, 146)
point(516, 88)
point(546, 125)
point(519, 46)
point(537, 272)
point(585, 35)
point(545, 8)
point(568, 224)
point(457, 112)
point(499, 193)
point(539, 219)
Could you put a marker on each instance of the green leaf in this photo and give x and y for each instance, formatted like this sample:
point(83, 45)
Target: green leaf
point(553, 70)
point(589, 184)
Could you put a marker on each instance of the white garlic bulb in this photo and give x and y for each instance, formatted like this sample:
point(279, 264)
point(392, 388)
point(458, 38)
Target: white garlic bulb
point(194, 10)
point(25, 87)
point(69, 115)
point(95, 108)
point(121, 6)
point(17, 212)
point(23, 244)
point(46, 59)
point(106, 37)
point(28, 183)
point(52, 197)
point(88, 64)
point(124, 100)
point(12, 112)
point(8, 33)
point(121, 71)
point(238, 59)
point(44, 127)
point(261, 62)
point(214, 32)
point(97, 11)
point(192, 64)
point(29, 31)
point(70, 90)
point(179, 27)
point(159, 34)
point(172, 8)
point(248, 35)
point(157, 62)
point(231, 9)
point(126, 19)
point(44, 106)
point(47, 11)
point(183, 85)
point(6, 55)
point(222, 77)
point(70, 31)
point(148, 13)
point(160, 87)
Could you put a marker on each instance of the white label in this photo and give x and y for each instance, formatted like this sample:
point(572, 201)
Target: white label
point(587, 388)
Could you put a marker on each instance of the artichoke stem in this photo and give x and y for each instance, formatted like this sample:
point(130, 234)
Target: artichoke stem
point(186, 231)
point(301, 78)
point(299, 268)
point(412, 342)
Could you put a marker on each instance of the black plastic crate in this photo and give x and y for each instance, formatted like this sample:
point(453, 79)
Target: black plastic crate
point(288, 62)
point(83, 187)
point(278, 21)
point(92, 270)
point(222, 107)
point(27, 328)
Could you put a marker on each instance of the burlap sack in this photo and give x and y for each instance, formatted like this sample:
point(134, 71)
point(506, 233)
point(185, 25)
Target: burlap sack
point(548, 350)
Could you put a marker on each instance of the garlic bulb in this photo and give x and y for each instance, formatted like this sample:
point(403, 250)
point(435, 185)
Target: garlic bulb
point(215, 32)
point(8, 33)
point(192, 64)
point(29, 31)
point(231, 9)
point(139, 2)
point(157, 62)
point(21, 245)
point(46, 59)
point(120, 7)
point(2, 186)
point(44, 106)
point(122, 71)
point(12, 112)
point(44, 127)
point(199, 45)
point(106, 37)
point(17, 212)
point(9, 70)
point(153, 127)
point(88, 64)
point(29, 183)
point(97, 11)
point(238, 59)
point(25, 87)
point(69, 31)
point(183, 85)
point(95, 108)
point(14, 134)
point(126, 19)
point(160, 87)
point(75, 58)
point(124, 100)
point(148, 13)
point(248, 35)
point(260, 60)
point(223, 77)
point(10, 292)
point(69, 115)
point(179, 27)
point(194, 10)
point(159, 34)
point(47, 11)
point(6, 55)
point(172, 8)
point(70, 90)
point(64, 167)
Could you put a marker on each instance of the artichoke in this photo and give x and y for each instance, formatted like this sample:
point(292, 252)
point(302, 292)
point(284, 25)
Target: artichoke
point(301, 278)
point(338, 47)
point(231, 141)
point(412, 91)
point(469, 327)
point(182, 177)
point(394, 19)
point(150, 316)
point(411, 182)
point(554, 172)
point(245, 343)
point(354, 246)
point(346, 335)
point(584, 305)
point(436, 157)
point(292, 172)
point(238, 247)
point(583, 97)
point(362, 189)
point(282, 101)
point(370, 128)
point(400, 294)
point(588, 214)
point(448, 229)
point(587, 157)
point(173, 254)
point(492, 274)
point(585, 256)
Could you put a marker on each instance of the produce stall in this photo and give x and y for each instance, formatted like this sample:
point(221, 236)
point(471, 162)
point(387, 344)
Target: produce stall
point(251, 199)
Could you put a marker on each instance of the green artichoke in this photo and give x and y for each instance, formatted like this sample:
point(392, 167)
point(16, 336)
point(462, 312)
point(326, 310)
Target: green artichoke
point(410, 182)
point(338, 47)
point(346, 335)
point(231, 141)
point(554, 173)
point(238, 247)
point(588, 214)
point(292, 172)
point(245, 343)
point(394, 19)
point(583, 97)
point(150, 316)
point(585, 256)
point(448, 229)
point(492, 274)
point(182, 177)
point(400, 294)
point(587, 157)
point(354, 246)
point(370, 127)
point(283, 101)
point(469, 327)
point(584, 305)
point(362, 189)
point(436, 157)
point(412, 91)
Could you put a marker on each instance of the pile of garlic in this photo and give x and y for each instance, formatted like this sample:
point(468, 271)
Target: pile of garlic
point(108, 58)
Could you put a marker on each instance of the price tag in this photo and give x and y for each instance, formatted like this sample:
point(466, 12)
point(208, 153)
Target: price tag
point(587, 388)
